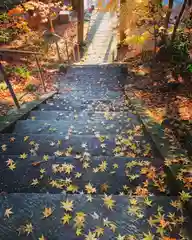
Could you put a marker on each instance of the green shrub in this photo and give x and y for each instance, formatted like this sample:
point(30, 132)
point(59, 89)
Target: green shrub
point(22, 72)
point(3, 86)
point(4, 17)
point(31, 87)
point(7, 35)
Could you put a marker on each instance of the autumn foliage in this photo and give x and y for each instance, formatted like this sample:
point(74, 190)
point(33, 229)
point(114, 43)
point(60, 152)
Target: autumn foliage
point(16, 11)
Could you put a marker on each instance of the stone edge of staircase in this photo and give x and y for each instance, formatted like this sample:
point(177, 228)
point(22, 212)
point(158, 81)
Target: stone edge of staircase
point(9, 120)
point(154, 129)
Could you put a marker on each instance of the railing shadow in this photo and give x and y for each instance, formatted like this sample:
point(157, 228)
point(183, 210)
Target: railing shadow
point(94, 28)
point(108, 49)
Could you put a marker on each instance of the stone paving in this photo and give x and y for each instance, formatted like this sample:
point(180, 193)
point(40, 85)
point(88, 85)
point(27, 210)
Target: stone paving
point(101, 39)
point(82, 166)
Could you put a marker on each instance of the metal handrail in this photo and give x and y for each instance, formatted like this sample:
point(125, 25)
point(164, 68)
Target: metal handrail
point(13, 51)
point(19, 51)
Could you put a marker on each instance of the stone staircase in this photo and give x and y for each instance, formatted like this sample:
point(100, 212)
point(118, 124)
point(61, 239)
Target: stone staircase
point(81, 166)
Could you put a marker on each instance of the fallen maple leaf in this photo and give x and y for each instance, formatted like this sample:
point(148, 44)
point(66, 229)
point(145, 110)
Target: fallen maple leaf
point(168, 238)
point(104, 187)
point(79, 220)
point(47, 212)
point(23, 155)
point(90, 189)
point(67, 205)
point(103, 166)
point(8, 212)
point(26, 138)
point(28, 228)
point(42, 238)
point(99, 231)
point(78, 232)
point(90, 236)
point(108, 201)
point(66, 218)
point(9, 162)
point(12, 166)
point(12, 139)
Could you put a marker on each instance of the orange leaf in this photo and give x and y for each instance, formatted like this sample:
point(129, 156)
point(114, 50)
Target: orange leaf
point(35, 164)
point(168, 238)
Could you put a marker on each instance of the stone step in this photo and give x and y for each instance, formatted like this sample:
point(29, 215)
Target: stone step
point(74, 127)
point(81, 115)
point(79, 95)
point(27, 217)
point(86, 84)
point(106, 145)
point(86, 87)
point(95, 102)
point(113, 175)
point(83, 104)
point(96, 71)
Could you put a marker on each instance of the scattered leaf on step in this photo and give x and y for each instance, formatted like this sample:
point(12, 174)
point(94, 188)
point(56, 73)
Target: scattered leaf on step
point(67, 205)
point(47, 212)
point(66, 218)
point(8, 212)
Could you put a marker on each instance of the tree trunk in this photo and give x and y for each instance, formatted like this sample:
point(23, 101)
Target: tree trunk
point(80, 23)
point(178, 20)
point(121, 23)
point(170, 6)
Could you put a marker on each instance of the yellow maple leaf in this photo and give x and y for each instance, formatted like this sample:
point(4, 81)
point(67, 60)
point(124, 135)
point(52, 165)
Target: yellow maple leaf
point(42, 170)
point(32, 143)
point(26, 138)
point(28, 228)
point(12, 166)
point(148, 236)
point(115, 165)
point(66, 218)
point(95, 170)
point(90, 189)
point(86, 165)
point(108, 201)
point(103, 166)
point(90, 236)
point(72, 188)
point(78, 175)
point(23, 155)
point(113, 227)
point(42, 238)
point(185, 196)
point(47, 212)
point(79, 220)
point(35, 182)
point(148, 202)
point(78, 231)
point(45, 157)
point(4, 147)
point(67, 205)
point(133, 201)
point(68, 168)
point(8, 212)
point(99, 231)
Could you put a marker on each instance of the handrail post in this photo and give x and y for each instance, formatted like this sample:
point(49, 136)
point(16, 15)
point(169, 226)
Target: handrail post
point(40, 73)
point(66, 46)
point(58, 53)
point(74, 55)
point(78, 52)
point(9, 86)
